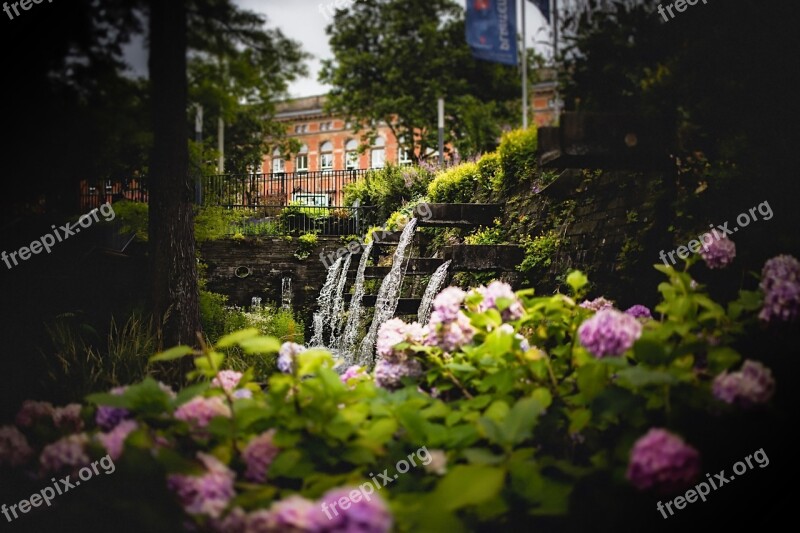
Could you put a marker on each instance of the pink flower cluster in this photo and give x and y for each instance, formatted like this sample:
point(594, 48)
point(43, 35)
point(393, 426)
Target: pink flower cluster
point(287, 355)
point(258, 455)
point(114, 440)
point(662, 462)
point(227, 380)
point(68, 418)
point(394, 332)
point(780, 282)
point(200, 410)
point(598, 304)
point(719, 252)
point(14, 448)
point(207, 494)
point(32, 411)
point(752, 385)
point(496, 291)
point(609, 333)
point(66, 453)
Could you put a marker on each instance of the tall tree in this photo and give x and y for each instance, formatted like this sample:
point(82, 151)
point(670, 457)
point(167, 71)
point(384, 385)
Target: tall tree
point(394, 58)
point(172, 244)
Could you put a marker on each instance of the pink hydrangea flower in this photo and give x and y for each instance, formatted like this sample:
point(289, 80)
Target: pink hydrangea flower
point(199, 411)
point(227, 380)
point(68, 418)
point(66, 453)
point(752, 385)
point(258, 455)
point(365, 516)
point(717, 253)
point(609, 332)
point(207, 494)
point(494, 292)
point(14, 448)
point(32, 411)
point(114, 440)
point(663, 462)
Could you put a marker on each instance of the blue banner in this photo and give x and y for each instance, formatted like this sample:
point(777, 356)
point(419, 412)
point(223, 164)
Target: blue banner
point(492, 30)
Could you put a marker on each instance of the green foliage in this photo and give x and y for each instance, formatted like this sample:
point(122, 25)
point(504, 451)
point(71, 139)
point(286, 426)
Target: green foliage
point(78, 359)
point(539, 251)
point(376, 75)
point(307, 242)
point(132, 218)
point(388, 188)
point(493, 235)
point(213, 223)
point(398, 220)
point(523, 419)
point(456, 185)
point(490, 167)
point(518, 157)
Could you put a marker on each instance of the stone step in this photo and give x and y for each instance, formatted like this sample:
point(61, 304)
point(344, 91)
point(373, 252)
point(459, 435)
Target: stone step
point(457, 215)
point(417, 266)
point(405, 306)
point(483, 257)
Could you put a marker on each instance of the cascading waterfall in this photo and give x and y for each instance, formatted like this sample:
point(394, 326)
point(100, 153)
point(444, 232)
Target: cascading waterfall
point(338, 303)
point(324, 303)
point(388, 294)
point(348, 338)
point(434, 286)
point(286, 293)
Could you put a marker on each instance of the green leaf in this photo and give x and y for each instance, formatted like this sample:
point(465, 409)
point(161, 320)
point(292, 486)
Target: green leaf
point(592, 379)
point(469, 485)
point(520, 421)
point(722, 358)
point(638, 377)
point(173, 353)
point(651, 351)
point(482, 456)
point(236, 337)
point(578, 419)
point(577, 280)
point(255, 345)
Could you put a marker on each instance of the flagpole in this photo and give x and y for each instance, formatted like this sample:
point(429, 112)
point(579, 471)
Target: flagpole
point(524, 70)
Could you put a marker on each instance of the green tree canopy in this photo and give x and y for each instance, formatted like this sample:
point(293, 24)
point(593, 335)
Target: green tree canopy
point(394, 58)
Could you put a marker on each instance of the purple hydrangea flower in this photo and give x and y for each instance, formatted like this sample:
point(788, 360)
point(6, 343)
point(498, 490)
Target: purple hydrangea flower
point(363, 516)
point(389, 375)
point(287, 355)
point(448, 302)
point(780, 282)
point(199, 411)
point(639, 311)
point(227, 380)
point(294, 514)
point(108, 417)
point(258, 455)
point(14, 448)
point(752, 385)
point(207, 494)
point(32, 411)
point(68, 452)
point(68, 418)
point(449, 335)
point(242, 393)
point(719, 252)
point(114, 440)
point(233, 522)
point(663, 462)
point(495, 291)
point(609, 332)
point(598, 304)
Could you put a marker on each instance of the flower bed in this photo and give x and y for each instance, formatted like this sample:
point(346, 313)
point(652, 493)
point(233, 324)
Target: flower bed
point(524, 405)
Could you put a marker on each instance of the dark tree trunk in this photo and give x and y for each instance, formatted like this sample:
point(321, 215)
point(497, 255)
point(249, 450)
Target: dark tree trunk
point(172, 245)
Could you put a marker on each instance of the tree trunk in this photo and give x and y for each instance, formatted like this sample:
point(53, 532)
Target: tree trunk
point(173, 266)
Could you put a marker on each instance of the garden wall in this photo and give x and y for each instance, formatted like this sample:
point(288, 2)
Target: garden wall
point(269, 261)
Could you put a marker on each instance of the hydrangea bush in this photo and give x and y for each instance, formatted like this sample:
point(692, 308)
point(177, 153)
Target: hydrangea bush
point(524, 402)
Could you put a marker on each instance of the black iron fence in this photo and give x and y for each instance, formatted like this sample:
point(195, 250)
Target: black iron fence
point(276, 204)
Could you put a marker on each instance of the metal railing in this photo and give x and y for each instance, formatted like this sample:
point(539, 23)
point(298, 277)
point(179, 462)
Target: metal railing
point(281, 203)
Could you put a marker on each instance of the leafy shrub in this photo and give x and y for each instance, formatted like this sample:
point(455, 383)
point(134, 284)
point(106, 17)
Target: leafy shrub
point(490, 168)
point(493, 235)
point(398, 220)
point(539, 251)
point(307, 241)
point(455, 185)
point(517, 153)
point(520, 406)
point(388, 188)
point(213, 222)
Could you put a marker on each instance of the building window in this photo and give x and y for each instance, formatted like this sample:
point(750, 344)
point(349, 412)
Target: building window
point(301, 128)
point(378, 153)
point(301, 161)
point(351, 155)
point(326, 126)
point(326, 156)
point(277, 161)
point(403, 153)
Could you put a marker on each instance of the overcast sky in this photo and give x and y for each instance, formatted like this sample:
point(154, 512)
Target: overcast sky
point(302, 21)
